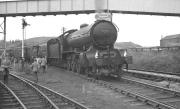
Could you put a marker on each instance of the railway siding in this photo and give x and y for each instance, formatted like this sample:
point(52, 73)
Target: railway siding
point(130, 90)
point(158, 97)
point(162, 98)
point(9, 99)
point(83, 91)
point(59, 99)
point(29, 95)
point(168, 77)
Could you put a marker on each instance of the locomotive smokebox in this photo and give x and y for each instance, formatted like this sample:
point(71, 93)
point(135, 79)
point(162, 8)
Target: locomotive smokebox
point(100, 34)
point(103, 33)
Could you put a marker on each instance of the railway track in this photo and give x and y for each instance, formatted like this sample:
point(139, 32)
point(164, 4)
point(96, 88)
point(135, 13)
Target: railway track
point(143, 95)
point(156, 76)
point(29, 95)
point(8, 99)
point(156, 72)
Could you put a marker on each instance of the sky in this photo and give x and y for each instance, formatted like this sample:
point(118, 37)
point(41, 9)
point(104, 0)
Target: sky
point(144, 30)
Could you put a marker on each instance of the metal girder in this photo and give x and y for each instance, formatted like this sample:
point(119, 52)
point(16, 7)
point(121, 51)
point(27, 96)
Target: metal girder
point(54, 7)
point(3, 31)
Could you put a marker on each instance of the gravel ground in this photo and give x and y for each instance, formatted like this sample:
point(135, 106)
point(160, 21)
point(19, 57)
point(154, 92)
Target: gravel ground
point(87, 93)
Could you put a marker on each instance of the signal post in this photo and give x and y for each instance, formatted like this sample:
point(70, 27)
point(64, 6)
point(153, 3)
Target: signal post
point(24, 24)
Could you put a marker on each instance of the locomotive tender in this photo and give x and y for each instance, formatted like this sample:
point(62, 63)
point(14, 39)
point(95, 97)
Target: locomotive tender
point(89, 50)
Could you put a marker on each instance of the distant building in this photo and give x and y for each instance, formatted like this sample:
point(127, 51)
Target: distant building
point(170, 40)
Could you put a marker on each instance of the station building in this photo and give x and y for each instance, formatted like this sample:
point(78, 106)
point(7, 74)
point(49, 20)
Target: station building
point(170, 40)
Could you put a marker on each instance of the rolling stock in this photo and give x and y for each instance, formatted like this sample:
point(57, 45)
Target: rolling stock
point(89, 50)
point(30, 52)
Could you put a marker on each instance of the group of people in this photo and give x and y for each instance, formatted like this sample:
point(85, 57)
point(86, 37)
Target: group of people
point(39, 63)
point(36, 66)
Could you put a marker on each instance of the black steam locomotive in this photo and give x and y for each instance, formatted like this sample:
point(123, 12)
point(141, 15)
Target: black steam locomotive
point(89, 50)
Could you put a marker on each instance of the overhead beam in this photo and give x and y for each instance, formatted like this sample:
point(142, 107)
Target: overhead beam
point(54, 7)
point(147, 7)
point(46, 7)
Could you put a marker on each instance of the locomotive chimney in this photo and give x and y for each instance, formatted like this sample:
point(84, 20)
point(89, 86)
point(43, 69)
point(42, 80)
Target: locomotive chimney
point(83, 25)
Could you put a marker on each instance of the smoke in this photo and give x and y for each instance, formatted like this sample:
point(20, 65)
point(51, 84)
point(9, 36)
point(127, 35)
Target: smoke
point(100, 5)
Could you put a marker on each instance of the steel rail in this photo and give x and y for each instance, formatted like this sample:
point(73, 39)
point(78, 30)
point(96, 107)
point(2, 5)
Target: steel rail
point(65, 98)
point(137, 96)
point(154, 74)
point(14, 95)
point(174, 92)
point(52, 105)
point(140, 97)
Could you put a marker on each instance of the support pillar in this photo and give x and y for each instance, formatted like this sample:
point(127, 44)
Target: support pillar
point(3, 28)
point(5, 35)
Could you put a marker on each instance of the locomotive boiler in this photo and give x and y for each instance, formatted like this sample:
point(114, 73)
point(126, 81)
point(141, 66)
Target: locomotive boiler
point(89, 50)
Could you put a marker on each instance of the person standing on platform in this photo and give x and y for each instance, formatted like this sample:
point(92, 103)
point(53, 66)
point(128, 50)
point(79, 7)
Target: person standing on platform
point(35, 69)
point(6, 65)
point(43, 64)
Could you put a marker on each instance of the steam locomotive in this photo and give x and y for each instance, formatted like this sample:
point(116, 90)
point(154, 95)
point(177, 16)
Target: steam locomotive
point(89, 50)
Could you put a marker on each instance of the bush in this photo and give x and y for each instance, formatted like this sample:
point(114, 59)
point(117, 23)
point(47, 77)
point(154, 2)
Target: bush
point(160, 61)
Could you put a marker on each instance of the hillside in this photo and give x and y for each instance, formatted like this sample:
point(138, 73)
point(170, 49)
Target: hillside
point(28, 42)
point(41, 40)
point(122, 45)
point(37, 40)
